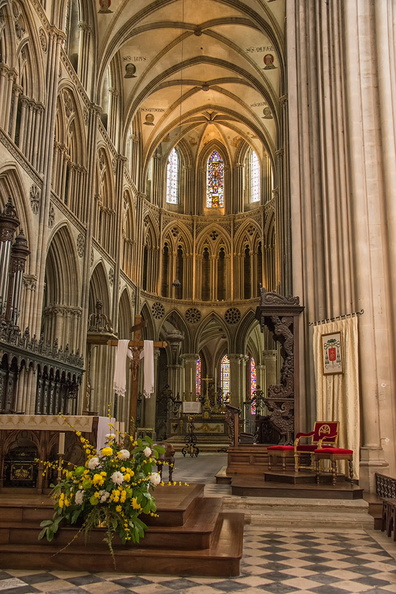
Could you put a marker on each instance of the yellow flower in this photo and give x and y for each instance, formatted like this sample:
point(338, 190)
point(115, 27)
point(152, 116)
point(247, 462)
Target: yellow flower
point(119, 508)
point(107, 451)
point(135, 504)
point(98, 479)
point(127, 477)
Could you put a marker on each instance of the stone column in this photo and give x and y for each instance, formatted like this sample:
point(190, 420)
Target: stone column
point(237, 379)
point(190, 371)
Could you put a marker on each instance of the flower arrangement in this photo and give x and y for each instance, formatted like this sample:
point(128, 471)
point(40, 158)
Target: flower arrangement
point(111, 490)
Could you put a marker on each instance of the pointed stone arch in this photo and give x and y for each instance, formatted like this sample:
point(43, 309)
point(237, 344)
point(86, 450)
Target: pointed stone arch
point(125, 316)
point(105, 226)
point(128, 235)
point(70, 153)
point(11, 185)
point(99, 289)
point(61, 311)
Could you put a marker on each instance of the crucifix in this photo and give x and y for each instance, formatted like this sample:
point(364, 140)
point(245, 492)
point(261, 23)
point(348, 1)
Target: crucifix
point(136, 346)
point(105, 336)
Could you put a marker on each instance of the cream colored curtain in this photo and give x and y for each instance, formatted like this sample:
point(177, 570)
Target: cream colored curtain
point(337, 395)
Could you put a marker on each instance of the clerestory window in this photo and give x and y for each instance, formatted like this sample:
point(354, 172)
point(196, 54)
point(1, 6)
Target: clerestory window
point(255, 188)
point(172, 178)
point(215, 181)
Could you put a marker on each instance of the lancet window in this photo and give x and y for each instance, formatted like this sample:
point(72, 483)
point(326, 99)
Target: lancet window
point(253, 382)
point(206, 275)
point(225, 378)
point(221, 276)
point(198, 378)
point(215, 181)
point(172, 178)
point(254, 174)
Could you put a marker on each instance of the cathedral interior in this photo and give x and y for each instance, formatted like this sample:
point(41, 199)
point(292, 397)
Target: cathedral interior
point(198, 174)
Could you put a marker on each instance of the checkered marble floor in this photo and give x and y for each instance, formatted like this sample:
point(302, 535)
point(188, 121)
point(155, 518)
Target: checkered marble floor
point(274, 561)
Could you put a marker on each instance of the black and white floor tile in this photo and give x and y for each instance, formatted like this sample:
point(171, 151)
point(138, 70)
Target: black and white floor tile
point(274, 561)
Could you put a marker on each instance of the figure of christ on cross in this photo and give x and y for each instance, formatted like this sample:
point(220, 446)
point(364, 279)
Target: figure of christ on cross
point(136, 346)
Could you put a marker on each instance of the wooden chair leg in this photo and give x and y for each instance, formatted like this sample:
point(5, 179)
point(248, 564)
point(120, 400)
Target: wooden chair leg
point(350, 466)
point(389, 521)
point(334, 471)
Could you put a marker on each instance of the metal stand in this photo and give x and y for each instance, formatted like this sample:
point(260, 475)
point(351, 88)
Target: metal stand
point(190, 441)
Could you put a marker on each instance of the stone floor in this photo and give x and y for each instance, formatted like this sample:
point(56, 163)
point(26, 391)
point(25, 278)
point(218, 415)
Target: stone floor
point(316, 560)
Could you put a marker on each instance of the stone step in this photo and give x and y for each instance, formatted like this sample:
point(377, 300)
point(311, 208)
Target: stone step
point(298, 512)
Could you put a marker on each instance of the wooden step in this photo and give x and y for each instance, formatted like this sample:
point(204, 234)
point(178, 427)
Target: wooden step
point(248, 486)
point(175, 503)
point(221, 558)
point(196, 533)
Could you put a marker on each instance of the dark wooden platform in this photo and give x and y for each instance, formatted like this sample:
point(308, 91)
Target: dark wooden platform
point(248, 486)
point(191, 536)
point(248, 474)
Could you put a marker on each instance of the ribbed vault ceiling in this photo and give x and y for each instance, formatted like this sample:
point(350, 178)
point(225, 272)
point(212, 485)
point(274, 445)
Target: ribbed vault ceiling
point(195, 69)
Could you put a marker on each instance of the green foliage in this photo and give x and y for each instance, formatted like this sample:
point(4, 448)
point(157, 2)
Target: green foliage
point(111, 490)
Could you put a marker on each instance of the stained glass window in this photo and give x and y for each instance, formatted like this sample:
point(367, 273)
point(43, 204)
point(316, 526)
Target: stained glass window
point(225, 378)
point(172, 178)
point(254, 177)
point(198, 377)
point(215, 181)
point(253, 383)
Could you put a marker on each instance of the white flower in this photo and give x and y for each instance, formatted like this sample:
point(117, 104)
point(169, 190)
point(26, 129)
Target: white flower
point(155, 478)
point(103, 496)
point(79, 497)
point(93, 463)
point(117, 477)
point(124, 454)
point(147, 452)
point(110, 436)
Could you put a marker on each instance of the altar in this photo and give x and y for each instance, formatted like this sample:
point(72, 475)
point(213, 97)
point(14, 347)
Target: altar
point(26, 441)
point(204, 425)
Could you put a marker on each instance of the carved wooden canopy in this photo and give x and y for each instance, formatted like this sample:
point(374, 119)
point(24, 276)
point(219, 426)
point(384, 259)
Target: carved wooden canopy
point(279, 314)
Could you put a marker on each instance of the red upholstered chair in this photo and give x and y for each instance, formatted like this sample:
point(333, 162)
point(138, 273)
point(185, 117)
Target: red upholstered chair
point(280, 451)
point(325, 433)
point(334, 455)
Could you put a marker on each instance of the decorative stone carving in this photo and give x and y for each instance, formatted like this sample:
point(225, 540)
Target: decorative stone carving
point(98, 322)
point(51, 216)
point(30, 282)
point(35, 195)
point(80, 245)
point(68, 102)
point(232, 315)
point(111, 276)
point(158, 310)
point(193, 315)
point(43, 40)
